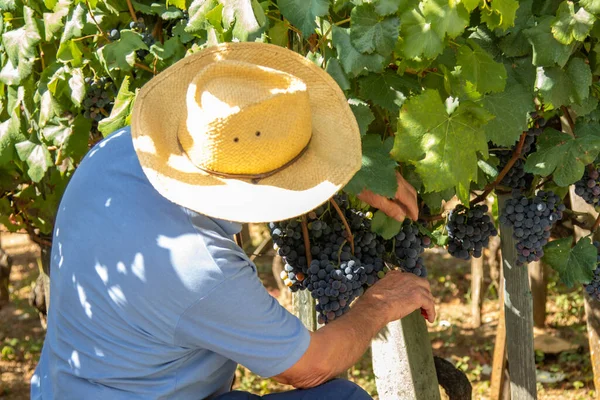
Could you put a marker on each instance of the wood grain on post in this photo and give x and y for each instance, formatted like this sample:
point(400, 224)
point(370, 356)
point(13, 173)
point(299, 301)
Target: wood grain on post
point(304, 309)
point(403, 361)
point(538, 278)
point(592, 307)
point(476, 285)
point(499, 360)
point(518, 308)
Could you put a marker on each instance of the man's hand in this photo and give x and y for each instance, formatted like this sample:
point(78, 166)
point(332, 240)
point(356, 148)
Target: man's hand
point(403, 205)
point(399, 294)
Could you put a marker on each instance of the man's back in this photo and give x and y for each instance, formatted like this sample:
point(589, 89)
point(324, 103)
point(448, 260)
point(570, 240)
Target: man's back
point(142, 290)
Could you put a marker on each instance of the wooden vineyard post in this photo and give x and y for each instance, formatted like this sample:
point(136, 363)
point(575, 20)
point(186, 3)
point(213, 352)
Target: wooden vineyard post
point(518, 309)
point(476, 285)
point(592, 307)
point(538, 278)
point(403, 361)
point(304, 309)
point(499, 360)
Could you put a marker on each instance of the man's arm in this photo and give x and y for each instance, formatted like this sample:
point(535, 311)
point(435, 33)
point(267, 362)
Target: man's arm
point(339, 345)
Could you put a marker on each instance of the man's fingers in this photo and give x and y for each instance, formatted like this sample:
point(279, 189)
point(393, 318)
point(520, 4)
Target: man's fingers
point(389, 207)
point(407, 195)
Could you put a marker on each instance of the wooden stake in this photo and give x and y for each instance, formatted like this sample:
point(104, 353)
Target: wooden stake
point(476, 285)
point(499, 360)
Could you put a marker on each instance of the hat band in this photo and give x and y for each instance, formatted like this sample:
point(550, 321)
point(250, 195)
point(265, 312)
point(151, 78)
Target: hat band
point(255, 178)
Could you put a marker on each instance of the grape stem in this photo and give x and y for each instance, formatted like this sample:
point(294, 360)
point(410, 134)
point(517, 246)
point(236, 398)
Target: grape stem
point(144, 67)
point(131, 10)
point(104, 35)
point(345, 222)
point(306, 240)
point(515, 156)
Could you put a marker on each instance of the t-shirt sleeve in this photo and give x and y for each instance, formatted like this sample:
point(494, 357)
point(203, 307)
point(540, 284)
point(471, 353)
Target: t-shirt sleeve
point(241, 321)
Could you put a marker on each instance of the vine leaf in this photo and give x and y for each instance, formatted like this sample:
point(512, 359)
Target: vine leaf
point(592, 6)
point(501, 14)
point(302, 13)
point(479, 68)
point(247, 18)
point(20, 43)
point(363, 114)
point(353, 61)
point(575, 265)
point(74, 25)
point(434, 140)
point(378, 171)
point(72, 138)
point(569, 25)
point(198, 14)
point(385, 226)
point(121, 54)
point(511, 110)
point(335, 70)
point(10, 134)
point(120, 113)
point(424, 28)
point(382, 89)
point(565, 86)
point(563, 155)
point(37, 158)
point(370, 32)
point(387, 7)
point(547, 51)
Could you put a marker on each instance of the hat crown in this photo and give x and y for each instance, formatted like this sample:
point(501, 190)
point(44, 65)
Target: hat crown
point(245, 119)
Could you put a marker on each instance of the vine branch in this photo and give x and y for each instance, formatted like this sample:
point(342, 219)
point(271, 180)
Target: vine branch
point(104, 35)
point(596, 224)
point(569, 118)
point(144, 67)
point(515, 156)
point(345, 222)
point(131, 10)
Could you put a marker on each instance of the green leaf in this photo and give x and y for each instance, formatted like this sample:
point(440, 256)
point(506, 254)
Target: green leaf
point(77, 86)
point(385, 226)
point(564, 156)
point(592, 6)
point(177, 3)
point(10, 134)
point(246, 16)
point(574, 265)
point(434, 141)
point(53, 22)
point(197, 14)
point(570, 25)
point(69, 52)
point(353, 61)
point(500, 14)
point(470, 5)
point(383, 90)
point(37, 158)
point(74, 25)
point(417, 36)
point(119, 115)
point(378, 171)
point(511, 108)
point(13, 76)
point(303, 13)
point(121, 54)
point(72, 139)
point(479, 68)
point(363, 114)
point(278, 32)
point(370, 32)
point(335, 70)
point(565, 86)
point(387, 7)
point(20, 43)
point(547, 51)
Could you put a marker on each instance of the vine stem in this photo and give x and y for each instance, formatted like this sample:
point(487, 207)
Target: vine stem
point(596, 224)
point(306, 240)
point(431, 218)
point(565, 110)
point(131, 10)
point(345, 222)
point(515, 156)
point(144, 67)
point(104, 35)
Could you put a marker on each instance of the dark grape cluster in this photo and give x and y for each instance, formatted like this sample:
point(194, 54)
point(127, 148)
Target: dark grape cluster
point(99, 97)
point(588, 187)
point(335, 276)
point(469, 231)
point(593, 288)
point(409, 244)
point(532, 220)
point(147, 37)
point(516, 177)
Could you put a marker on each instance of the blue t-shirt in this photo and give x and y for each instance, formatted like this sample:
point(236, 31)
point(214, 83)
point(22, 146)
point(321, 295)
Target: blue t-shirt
point(150, 300)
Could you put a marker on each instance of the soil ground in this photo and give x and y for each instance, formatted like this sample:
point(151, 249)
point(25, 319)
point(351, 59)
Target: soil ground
point(453, 335)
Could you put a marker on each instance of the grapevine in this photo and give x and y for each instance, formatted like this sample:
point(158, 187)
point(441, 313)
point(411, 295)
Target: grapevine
point(588, 187)
point(469, 231)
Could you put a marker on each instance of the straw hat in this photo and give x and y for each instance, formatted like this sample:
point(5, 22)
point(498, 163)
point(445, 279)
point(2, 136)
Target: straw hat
point(246, 132)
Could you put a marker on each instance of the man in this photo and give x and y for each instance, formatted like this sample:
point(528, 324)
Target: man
point(150, 297)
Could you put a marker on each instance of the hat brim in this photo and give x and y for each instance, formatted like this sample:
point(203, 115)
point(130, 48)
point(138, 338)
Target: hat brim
point(333, 155)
